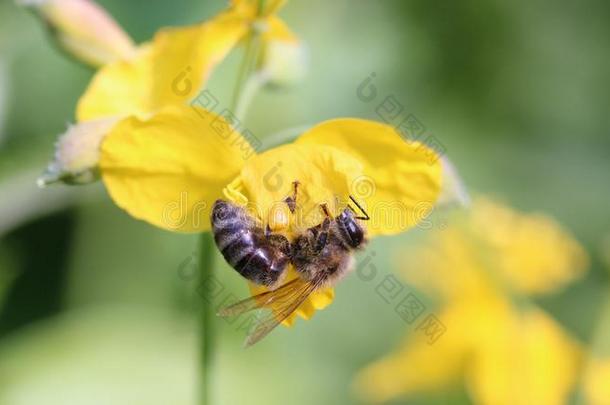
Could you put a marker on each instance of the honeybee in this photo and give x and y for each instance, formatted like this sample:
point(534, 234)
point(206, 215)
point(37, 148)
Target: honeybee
point(256, 254)
point(321, 256)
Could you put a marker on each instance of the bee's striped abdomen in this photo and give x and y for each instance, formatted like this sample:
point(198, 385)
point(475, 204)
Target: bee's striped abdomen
point(245, 246)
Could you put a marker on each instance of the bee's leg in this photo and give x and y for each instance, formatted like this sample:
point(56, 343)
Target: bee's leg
point(322, 237)
point(326, 211)
point(292, 200)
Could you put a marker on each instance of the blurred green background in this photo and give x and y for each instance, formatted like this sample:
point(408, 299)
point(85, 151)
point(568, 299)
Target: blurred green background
point(97, 308)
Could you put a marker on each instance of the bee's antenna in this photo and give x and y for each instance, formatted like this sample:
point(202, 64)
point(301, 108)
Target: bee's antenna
point(365, 217)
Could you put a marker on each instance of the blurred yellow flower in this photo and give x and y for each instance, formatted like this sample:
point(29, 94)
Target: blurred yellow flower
point(503, 348)
point(169, 170)
point(597, 382)
point(169, 70)
point(532, 252)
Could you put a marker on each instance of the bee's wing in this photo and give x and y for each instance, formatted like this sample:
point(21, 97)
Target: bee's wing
point(258, 301)
point(279, 304)
point(280, 309)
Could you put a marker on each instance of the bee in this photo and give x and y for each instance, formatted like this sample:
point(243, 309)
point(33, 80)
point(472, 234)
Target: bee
point(257, 254)
point(321, 256)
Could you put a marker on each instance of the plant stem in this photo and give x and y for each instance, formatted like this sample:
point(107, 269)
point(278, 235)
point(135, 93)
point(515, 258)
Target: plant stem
point(246, 86)
point(250, 88)
point(207, 248)
point(241, 75)
point(206, 333)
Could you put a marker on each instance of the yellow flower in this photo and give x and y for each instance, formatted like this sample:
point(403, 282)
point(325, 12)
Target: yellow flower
point(169, 70)
point(169, 169)
point(503, 348)
point(530, 253)
point(597, 382)
point(533, 252)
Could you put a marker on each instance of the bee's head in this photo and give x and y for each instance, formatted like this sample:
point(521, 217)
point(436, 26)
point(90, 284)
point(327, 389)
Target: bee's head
point(350, 230)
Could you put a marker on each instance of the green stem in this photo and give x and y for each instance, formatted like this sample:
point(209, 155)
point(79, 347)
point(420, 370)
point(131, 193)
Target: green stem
point(245, 87)
point(241, 75)
point(206, 271)
point(250, 88)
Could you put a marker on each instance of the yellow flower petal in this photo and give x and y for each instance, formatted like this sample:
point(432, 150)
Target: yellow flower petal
point(529, 361)
point(170, 70)
point(418, 366)
point(532, 251)
point(168, 170)
point(278, 30)
point(597, 382)
point(454, 266)
point(401, 180)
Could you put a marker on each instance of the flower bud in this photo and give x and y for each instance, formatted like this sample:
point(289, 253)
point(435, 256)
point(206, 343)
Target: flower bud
point(84, 30)
point(284, 63)
point(77, 153)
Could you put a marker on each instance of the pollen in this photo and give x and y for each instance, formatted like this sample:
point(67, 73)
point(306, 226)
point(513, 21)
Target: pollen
point(279, 217)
